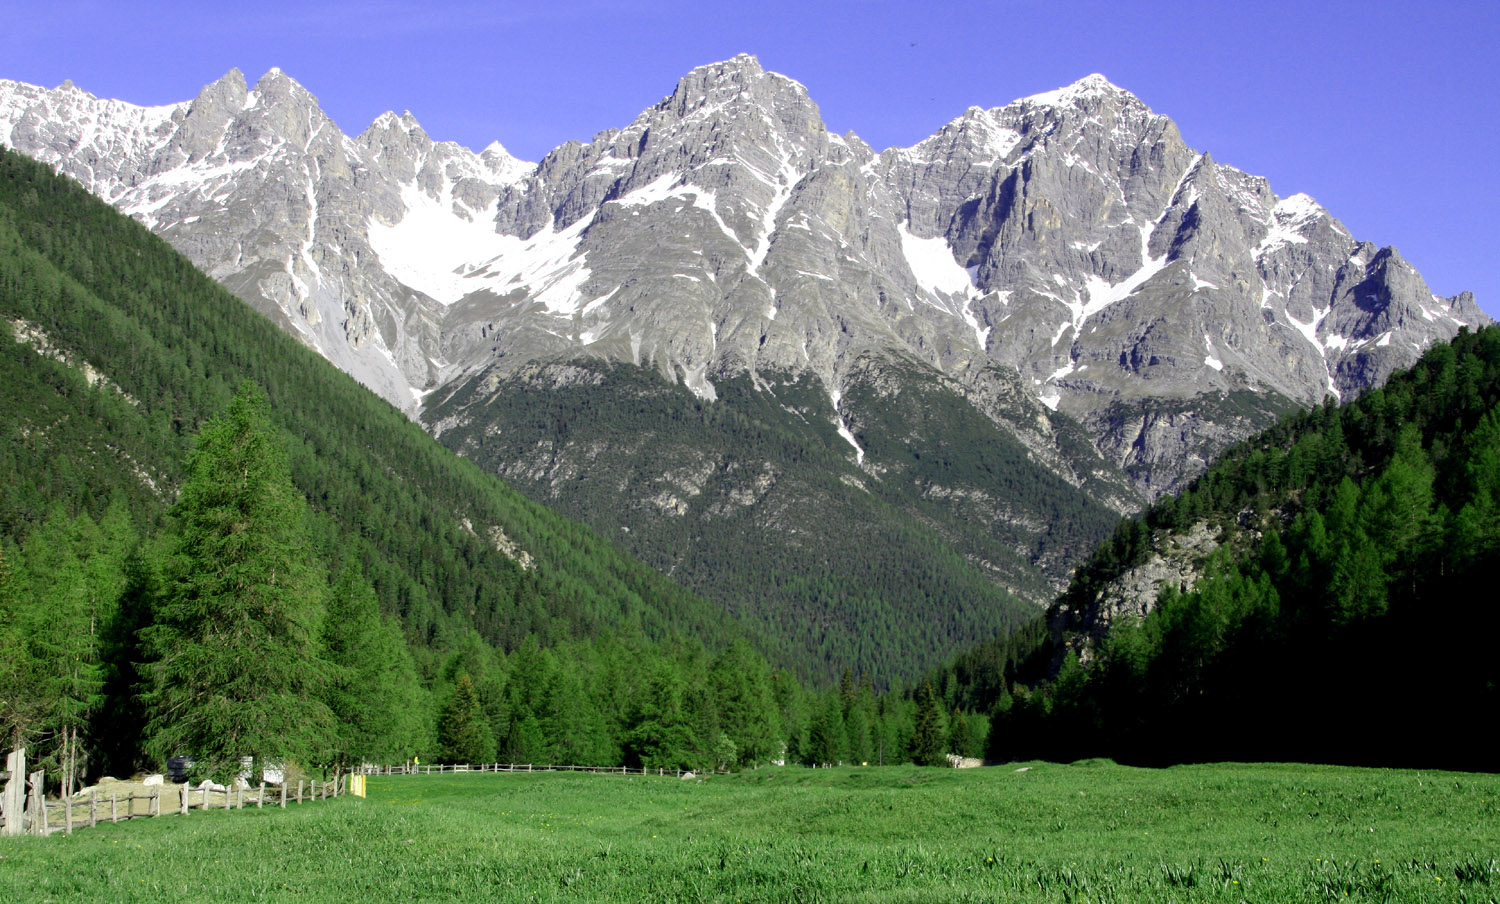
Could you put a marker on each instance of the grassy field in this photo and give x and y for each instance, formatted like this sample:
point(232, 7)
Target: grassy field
point(1085, 832)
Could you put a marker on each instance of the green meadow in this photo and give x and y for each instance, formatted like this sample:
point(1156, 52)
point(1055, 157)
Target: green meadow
point(1086, 832)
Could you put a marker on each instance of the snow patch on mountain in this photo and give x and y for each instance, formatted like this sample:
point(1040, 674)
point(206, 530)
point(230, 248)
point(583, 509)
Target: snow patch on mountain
point(932, 263)
point(549, 268)
point(431, 250)
point(1290, 219)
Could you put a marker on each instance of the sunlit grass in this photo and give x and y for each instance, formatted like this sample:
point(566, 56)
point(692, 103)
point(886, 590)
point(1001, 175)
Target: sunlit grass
point(1053, 833)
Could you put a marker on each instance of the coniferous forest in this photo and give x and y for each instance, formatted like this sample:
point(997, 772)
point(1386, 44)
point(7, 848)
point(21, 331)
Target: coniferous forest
point(212, 542)
point(215, 543)
point(1340, 619)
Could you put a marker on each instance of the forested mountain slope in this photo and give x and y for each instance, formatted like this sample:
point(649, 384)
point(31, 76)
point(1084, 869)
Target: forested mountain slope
point(858, 399)
point(1320, 594)
point(753, 503)
point(91, 297)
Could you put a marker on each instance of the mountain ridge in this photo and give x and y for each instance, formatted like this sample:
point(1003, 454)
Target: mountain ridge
point(1093, 305)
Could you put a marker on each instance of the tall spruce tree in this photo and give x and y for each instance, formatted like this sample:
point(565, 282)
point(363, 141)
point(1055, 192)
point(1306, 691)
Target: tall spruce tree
point(929, 741)
point(464, 734)
point(234, 668)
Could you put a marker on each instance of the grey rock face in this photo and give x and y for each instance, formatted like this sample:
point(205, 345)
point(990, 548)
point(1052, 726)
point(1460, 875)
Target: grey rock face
point(1121, 269)
point(260, 189)
point(1168, 303)
point(1176, 564)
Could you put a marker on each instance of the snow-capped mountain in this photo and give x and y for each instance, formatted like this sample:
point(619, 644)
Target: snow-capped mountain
point(1071, 235)
point(795, 373)
point(260, 189)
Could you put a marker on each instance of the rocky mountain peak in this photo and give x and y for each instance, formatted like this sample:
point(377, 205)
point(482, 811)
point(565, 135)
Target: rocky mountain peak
point(1071, 236)
point(276, 90)
point(738, 102)
point(1088, 91)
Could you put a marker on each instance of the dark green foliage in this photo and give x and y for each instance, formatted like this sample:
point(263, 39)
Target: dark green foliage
point(118, 721)
point(22, 702)
point(1329, 626)
point(831, 567)
point(661, 736)
point(90, 285)
point(378, 702)
point(741, 684)
point(961, 739)
point(464, 734)
point(929, 743)
point(413, 527)
point(827, 740)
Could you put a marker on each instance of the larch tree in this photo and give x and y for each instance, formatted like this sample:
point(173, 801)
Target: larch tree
point(373, 687)
point(234, 668)
point(67, 610)
point(741, 682)
point(22, 703)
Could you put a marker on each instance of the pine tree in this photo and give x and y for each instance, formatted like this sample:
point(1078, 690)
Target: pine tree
point(928, 743)
point(234, 664)
point(464, 734)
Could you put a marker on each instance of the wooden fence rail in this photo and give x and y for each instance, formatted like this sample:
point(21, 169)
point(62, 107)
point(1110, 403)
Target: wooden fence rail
point(40, 816)
point(439, 769)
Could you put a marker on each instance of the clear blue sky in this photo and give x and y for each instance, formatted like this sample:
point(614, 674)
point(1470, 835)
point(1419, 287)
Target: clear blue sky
point(1385, 112)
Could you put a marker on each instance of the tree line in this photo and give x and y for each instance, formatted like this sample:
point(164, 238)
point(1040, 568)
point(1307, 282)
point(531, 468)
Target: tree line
point(377, 591)
point(1340, 618)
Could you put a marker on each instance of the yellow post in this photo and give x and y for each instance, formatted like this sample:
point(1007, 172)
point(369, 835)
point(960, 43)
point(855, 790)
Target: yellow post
point(357, 785)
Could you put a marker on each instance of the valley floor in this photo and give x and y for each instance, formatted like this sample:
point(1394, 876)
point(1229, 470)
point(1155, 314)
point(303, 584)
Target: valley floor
point(1090, 831)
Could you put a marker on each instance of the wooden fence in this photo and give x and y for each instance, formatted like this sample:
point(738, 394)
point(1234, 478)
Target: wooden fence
point(39, 816)
point(35, 815)
point(439, 769)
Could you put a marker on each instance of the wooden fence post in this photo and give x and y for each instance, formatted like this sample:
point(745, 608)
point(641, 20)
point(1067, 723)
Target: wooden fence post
point(228, 797)
point(114, 807)
point(299, 790)
point(283, 792)
point(37, 803)
point(68, 814)
point(14, 803)
point(154, 804)
point(93, 808)
point(184, 792)
point(260, 799)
